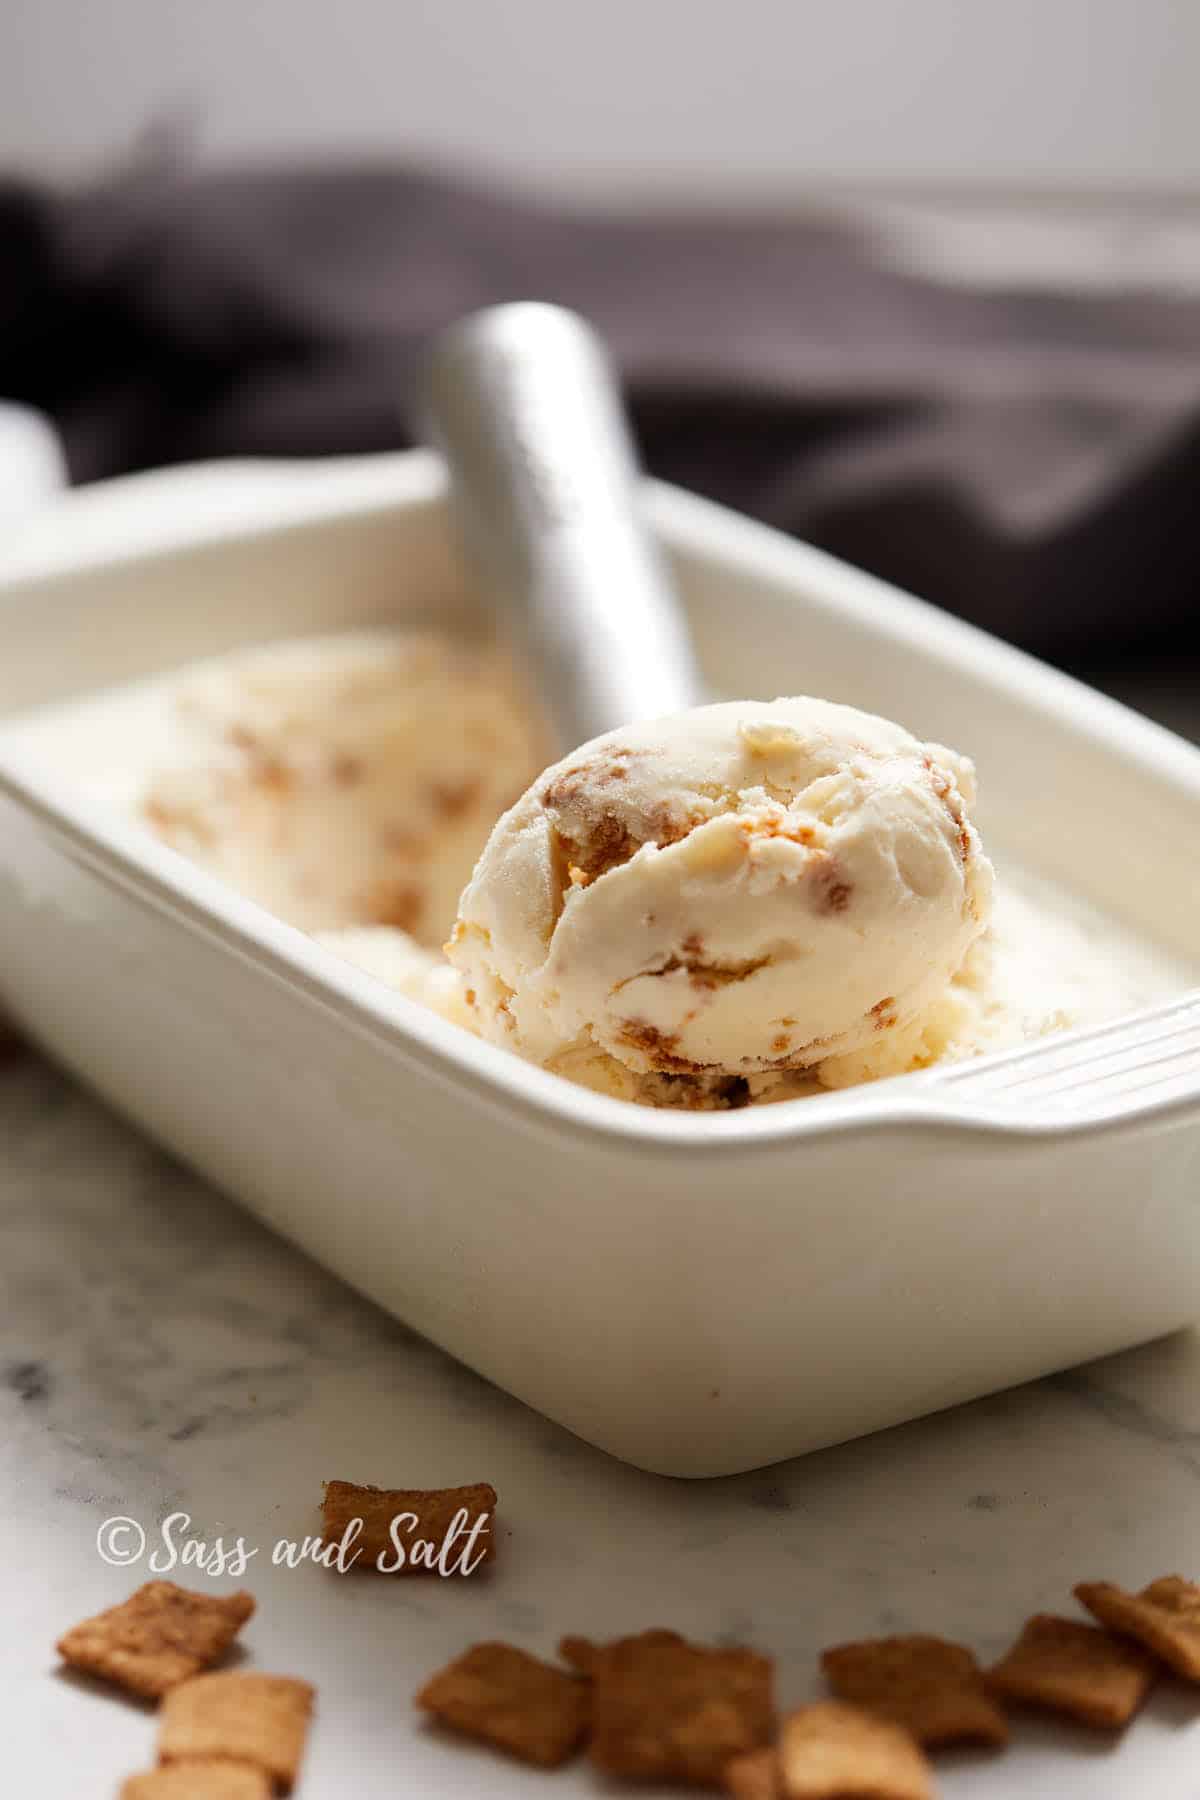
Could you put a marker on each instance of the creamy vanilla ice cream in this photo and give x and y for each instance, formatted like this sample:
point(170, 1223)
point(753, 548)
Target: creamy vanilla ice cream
point(752, 902)
point(396, 959)
point(349, 780)
point(736, 889)
point(1047, 962)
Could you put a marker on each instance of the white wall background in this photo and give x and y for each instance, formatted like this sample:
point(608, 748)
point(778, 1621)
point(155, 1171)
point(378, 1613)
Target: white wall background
point(715, 96)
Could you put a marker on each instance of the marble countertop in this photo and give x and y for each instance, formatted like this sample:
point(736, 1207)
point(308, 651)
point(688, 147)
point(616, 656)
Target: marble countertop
point(159, 1351)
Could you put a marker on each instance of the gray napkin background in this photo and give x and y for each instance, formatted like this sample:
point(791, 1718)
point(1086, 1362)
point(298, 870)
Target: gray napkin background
point(1029, 460)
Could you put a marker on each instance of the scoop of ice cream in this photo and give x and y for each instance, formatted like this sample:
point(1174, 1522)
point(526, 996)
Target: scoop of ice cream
point(349, 780)
point(740, 888)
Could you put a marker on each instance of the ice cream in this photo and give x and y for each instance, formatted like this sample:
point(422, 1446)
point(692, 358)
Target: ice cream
point(401, 963)
point(349, 780)
point(737, 890)
point(349, 783)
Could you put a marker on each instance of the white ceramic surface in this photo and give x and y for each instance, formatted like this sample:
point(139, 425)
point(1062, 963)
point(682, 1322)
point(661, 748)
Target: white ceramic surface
point(695, 1294)
point(32, 465)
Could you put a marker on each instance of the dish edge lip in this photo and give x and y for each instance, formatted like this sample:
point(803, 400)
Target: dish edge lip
point(151, 874)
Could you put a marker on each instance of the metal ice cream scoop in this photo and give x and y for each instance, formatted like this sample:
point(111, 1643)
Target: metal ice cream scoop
point(523, 402)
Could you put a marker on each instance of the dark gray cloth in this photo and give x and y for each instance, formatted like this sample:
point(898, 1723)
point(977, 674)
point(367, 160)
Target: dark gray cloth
point(1029, 461)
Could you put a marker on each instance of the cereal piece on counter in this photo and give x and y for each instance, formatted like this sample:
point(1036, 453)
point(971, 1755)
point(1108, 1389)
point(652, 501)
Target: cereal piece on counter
point(199, 1781)
point(832, 1752)
point(1068, 1667)
point(755, 1775)
point(433, 1510)
point(582, 1652)
point(243, 1718)
point(511, 1700)
point(160, 1636)
point(932, 1688)
point(665, 1710)
point(1165, 1617)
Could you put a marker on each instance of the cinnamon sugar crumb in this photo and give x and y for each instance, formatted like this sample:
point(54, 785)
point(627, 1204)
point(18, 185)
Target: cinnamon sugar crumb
point(451, 799)
point(575, 782)
point(658, 1046)
point(397, 903)
point(273, 775)
point(831, 890)
point(803, 1057)
point(266, 770)
point(943, 787)
point(347, 770)
point(401, 840)
point(804, 835)
point(610, 845)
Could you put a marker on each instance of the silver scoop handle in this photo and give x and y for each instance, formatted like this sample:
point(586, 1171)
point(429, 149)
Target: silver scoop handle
point(523, 403)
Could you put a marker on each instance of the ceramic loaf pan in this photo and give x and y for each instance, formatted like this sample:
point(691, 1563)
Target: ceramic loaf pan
point(696, 1294)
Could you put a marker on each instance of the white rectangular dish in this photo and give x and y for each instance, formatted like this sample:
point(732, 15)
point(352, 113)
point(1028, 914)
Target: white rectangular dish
point(695, 1293)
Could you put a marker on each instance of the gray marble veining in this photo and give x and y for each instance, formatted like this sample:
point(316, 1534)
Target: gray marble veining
point(161, 1352)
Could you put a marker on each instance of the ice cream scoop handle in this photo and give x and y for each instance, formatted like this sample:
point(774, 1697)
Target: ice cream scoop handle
point(523, 402)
